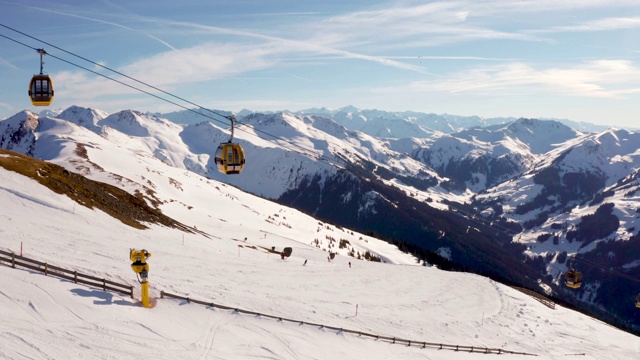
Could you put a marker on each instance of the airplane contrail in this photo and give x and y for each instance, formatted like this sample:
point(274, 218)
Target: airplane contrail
point(104, 22)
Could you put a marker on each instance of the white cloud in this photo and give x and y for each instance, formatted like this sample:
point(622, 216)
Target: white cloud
point(494, 7)
point(201, 63)
point(280, 45)
point(597, 25)
point(597, 78)
point(413, 24)
point(105, 22)
point(434, 23)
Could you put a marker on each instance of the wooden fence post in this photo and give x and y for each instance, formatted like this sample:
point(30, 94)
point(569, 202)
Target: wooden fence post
point(46, 269)
point(75, 276)
point(13, 260)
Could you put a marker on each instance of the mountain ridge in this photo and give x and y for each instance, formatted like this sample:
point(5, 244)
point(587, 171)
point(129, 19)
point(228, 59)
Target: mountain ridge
point(442, 209)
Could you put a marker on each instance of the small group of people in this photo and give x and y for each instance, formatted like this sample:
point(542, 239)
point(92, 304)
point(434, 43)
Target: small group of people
point(305, 262)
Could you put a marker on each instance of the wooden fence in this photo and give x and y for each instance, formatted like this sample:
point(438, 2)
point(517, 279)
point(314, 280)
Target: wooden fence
point(13, 260)
point(550, 304)
point(393, 340)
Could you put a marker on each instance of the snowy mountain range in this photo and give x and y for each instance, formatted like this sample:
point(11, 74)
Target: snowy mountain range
point(211, 241)
point(519, 200)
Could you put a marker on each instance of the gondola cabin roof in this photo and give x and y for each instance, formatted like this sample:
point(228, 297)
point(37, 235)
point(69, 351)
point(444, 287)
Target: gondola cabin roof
point(41, 90)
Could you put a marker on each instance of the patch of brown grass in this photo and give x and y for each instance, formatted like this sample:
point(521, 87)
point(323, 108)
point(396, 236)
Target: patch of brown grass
point(131, 210)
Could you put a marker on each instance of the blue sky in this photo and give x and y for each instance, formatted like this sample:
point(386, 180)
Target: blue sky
point(571, 59)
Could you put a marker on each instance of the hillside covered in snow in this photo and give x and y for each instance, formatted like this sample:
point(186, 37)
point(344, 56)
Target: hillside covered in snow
point(521, 202)
point(221, 255)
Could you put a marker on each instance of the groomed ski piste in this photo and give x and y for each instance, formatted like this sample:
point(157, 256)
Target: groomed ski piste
point(49, 318)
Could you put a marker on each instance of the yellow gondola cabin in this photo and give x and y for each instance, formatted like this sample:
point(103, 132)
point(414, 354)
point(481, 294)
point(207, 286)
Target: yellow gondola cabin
point(230, 158)
point(573, 279)
point(41, 90)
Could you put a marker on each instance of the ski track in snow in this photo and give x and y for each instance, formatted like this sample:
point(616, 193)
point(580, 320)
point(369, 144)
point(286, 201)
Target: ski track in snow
point(33, 199)
point(210, 339)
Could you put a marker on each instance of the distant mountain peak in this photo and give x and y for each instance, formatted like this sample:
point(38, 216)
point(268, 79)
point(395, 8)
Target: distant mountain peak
point(17, 133)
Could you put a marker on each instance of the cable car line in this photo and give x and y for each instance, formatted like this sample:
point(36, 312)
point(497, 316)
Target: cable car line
point(115, 80)
point(146, 84)
point(112, 70)
point(322, 158)
point(308, 152)
point(305, 152)
point(112, 79)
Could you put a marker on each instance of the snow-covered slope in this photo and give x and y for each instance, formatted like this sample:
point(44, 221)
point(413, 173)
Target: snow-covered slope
point(44, 317)
point(548, 180)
